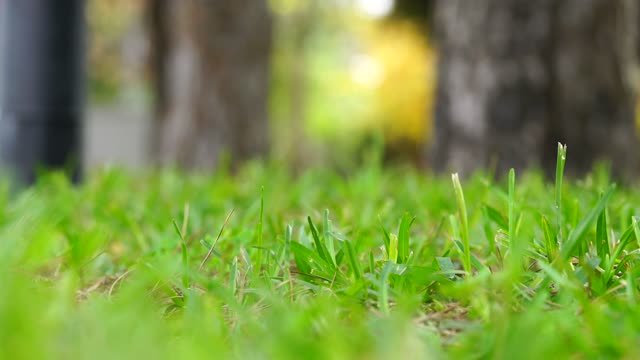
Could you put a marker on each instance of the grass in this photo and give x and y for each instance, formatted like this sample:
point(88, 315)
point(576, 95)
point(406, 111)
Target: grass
point(379, 264)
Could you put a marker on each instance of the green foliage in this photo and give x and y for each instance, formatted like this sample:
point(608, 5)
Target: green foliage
point(108, 23)
point(343, 79)
point(264, 265)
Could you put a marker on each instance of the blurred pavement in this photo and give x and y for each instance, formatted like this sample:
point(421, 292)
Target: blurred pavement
point(116, 135)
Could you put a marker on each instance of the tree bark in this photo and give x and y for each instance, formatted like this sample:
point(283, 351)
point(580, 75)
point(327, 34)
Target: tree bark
point(210, 60)
point(518, 76)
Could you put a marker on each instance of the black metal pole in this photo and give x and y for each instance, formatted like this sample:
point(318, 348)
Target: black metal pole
point(41, 86)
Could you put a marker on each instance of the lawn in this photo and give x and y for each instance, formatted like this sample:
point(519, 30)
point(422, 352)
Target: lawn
point(261, 264)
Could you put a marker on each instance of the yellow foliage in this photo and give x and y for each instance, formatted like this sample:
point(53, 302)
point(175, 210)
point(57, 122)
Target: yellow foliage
point(404, 95)
point(287, 7)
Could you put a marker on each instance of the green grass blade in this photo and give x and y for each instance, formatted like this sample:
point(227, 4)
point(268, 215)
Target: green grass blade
point(560, 163)
point(602, 235)
point(631, 290)
point(185, 256)
point(301, 258)
point(233, 276)
point(307, 259)
point(474, 260)
point(512, 207)
point(393, 251)
point(495, 216)
point(328, 237)
point(288, 238)
point(387, 239)
point(517, 247)
point(403, 238)
point(569, 246)
point(383, 287)
point(464, 223)
point(320, 248)
point(625, 239)
point(353, 260)
point(372, 263)
point(259, 230)
point(636, 228)
point(550, 240)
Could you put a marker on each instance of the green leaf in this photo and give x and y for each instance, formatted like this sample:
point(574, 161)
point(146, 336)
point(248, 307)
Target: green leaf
point(185, 258)
point(495, 216)
point(550, 241)
point(306, 259)
point(602, 235)
point(403, 238)
point(328, 238)
point(353, 260)
point(320, 248)
point(472, 258)
point(383, 286)
point(372, 263)
point(512, 208)
point(636, 229)
point(583, 226)
point(259, 230)
point(464, 223)
point(625, 239)
point(560, 162)
point(393, 251)
point(517, 246)
point(386, 239)
point(233, 282)
point(446, 266)
point(301, 258)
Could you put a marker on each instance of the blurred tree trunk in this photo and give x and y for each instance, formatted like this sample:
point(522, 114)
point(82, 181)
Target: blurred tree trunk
point(210, 64)
point(518, 76)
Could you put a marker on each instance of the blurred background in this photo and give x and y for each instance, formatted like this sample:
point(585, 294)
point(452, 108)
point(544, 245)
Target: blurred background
point(450, 85)
point(342, 74)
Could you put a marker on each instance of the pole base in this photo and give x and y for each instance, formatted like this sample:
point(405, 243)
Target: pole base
point(29, 147)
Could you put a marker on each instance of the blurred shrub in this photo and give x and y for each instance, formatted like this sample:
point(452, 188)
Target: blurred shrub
point(108, 21)
point(404, 94)
point(360, 77)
